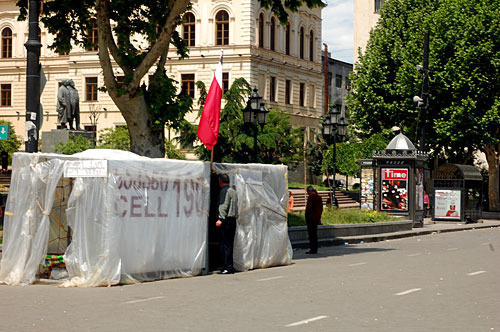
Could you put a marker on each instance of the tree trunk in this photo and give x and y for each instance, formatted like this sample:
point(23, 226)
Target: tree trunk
point(146, 138)
point(493, 158)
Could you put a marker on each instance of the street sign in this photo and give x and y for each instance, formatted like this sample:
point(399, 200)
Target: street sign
point(4, 131)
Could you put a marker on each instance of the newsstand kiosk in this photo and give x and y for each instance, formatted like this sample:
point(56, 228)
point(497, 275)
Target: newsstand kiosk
point(400, 180)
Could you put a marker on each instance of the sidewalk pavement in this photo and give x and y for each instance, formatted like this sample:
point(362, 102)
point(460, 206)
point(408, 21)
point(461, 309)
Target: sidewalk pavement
point(430, 227)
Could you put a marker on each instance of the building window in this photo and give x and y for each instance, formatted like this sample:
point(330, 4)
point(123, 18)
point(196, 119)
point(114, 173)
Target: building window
point(311, 46)
point(6, 95)
point(339, 107)
point(187, 83)
point(301, 43)
point(189, 29)
point(93, 36)
point(287, 39)
point(302, 94)
point(288, 92)
point(272, 89)
point(338, 81)
point(261, 30)
point(91, 88)
point(225, 82)
point(222, 22)
point(273, 34)
point(7, 43)
point(378, 5)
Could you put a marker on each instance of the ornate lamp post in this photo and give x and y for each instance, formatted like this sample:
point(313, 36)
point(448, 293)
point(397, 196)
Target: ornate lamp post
point(255, 114)
point(334, 126)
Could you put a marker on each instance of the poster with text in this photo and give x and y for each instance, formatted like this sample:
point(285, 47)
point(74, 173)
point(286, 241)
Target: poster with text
point(394, 189)
point(447, 204)
point(367, 189)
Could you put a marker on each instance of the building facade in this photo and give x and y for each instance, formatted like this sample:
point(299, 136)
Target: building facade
point(338, 84)
point(283, 62)
point(366, 15)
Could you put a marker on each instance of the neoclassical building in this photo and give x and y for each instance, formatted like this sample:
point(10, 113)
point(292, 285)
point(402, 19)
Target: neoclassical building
point(282, 61)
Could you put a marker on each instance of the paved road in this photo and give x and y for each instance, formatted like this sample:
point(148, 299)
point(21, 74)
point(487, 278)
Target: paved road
point(442, 282)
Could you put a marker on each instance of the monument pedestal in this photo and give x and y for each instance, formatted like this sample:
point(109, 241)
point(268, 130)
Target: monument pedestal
point(51, 138)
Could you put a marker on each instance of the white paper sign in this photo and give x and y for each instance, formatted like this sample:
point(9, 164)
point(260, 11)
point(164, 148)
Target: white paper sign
point(86, 169)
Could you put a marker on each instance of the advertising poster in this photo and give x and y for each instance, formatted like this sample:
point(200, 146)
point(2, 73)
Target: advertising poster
point(367, 189)
point(394, 189)
point(447, 204)
point(419, 195)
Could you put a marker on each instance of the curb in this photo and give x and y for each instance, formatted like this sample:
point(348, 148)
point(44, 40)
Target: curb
point(387, 236)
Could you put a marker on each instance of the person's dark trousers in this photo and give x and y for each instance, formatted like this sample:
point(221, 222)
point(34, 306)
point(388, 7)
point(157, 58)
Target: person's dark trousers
point(312, 230)
point(227, 243)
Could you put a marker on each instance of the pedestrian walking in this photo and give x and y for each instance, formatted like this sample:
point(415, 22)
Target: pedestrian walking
point(290, 201)
point(427, 203)
point(314, 210)
point(228, 213)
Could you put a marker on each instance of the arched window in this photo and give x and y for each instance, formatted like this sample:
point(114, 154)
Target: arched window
point(287, 39)
point(273, 34)
point(222, 23)
point(189, 29)
point(93, 36)
point(301, 43)
point(261, 30)
point(6, 43)
point(311, 46)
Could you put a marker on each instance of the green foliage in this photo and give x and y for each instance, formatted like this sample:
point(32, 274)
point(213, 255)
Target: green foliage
point(336, 216)
point(277, 141)
point(297, 185)
point(172, 152)
point(75, 144)
point(117, 138)
point(464, 79)
point(320, 155)
point(12, 144)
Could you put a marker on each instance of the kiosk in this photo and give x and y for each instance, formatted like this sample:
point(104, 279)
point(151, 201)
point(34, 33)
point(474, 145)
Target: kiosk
point(457, 193)
point(400, 180)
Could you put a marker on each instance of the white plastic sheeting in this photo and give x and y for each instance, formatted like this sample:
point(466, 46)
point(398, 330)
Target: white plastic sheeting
point(261, 238)
point(146, 220)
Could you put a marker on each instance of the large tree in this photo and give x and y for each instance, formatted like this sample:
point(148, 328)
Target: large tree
point(464, 79)
point(121, 25)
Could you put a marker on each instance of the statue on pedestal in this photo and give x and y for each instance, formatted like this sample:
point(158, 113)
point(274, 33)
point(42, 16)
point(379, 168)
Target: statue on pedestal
point(63, 104)
point(68, 105)
point(74, 105)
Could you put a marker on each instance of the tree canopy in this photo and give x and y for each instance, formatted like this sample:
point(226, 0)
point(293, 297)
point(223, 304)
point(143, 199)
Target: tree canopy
point(464, 78)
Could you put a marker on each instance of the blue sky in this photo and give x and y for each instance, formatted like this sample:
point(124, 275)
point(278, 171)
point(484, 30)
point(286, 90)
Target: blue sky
point(337, 29)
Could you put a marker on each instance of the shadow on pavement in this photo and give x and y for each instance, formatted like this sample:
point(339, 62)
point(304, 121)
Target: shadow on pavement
point(336, 251)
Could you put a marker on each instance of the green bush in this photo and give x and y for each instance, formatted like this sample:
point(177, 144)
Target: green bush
point(297, 185)
point(12, 144)
point(335, 216)
point(76, 143)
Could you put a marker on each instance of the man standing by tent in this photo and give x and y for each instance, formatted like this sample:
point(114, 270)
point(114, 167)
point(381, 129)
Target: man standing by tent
point(314, 210)
point(228, 212)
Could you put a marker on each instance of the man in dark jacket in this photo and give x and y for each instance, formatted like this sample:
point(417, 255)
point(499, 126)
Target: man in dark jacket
point(314, 209)
point(228, 213)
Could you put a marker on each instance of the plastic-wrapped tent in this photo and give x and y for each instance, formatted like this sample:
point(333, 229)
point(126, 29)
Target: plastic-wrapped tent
point(261, 238)
point(139, 219)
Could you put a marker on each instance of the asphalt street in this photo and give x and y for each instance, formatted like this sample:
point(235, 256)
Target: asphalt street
point(440, 282)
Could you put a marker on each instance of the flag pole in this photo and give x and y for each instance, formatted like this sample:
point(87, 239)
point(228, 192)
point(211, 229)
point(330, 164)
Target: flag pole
point(212, 160)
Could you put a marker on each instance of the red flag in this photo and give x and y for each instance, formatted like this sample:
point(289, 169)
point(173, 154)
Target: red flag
point(208, 129)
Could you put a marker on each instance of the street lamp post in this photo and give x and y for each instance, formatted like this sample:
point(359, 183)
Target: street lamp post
point(255, 114)
point(334, 125)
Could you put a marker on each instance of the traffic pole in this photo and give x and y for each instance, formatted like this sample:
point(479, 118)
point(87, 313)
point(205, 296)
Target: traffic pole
point(33, 46)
